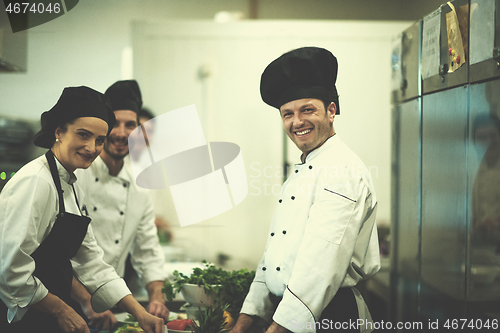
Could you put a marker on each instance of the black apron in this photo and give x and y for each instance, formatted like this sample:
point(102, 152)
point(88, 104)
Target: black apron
point(52, 263)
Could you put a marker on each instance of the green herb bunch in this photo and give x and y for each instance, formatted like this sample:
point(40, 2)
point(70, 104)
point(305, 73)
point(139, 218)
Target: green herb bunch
point(210, 320)
point(209, 277)
point(229, 287)
point(236, 286)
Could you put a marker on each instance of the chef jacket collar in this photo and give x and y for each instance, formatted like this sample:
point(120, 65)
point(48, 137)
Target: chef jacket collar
point(102, 169)
point(64, 174)
point(315, 152)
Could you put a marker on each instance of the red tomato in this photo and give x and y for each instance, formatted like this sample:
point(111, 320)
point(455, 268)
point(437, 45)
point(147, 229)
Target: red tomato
point(179, 324)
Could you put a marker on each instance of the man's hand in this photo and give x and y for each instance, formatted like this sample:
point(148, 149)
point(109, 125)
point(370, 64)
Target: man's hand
point(148, 322)
point(156, 305)
point(242, 324)
point(158, 309)
point(276, 328)
point(102, 321)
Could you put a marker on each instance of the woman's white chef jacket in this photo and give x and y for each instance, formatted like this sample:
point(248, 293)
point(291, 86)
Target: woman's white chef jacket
point(28, 208)
point(123, 220)
point(323, 236)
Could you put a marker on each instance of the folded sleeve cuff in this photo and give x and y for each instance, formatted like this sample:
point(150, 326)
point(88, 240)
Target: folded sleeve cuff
point(109, 294)
point(257, 302)
point(17, 309)
point(159, 274)
point(294, 315)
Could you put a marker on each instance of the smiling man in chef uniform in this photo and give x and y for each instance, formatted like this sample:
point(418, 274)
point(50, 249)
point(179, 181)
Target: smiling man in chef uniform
point(122, 213)
point(323, 236)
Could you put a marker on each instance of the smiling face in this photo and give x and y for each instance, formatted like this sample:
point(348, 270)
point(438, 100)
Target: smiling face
point(116, 146)
point(307, 123)
point(80, 142)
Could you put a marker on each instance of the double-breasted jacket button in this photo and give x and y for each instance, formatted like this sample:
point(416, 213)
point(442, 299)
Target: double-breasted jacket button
point(124, 184)
point(272, 234)
point(95, 208)
point(280, 200)
point(121, 213)
point(293, 198)
point(278, 269)
point(310, 167)
point(263, 268)
point(284, 232)
point(117, 241)
point(296, 171)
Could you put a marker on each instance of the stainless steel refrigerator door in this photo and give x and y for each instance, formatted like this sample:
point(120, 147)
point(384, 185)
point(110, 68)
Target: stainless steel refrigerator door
point(483, 287)
point(406, 221)
point(444, 190)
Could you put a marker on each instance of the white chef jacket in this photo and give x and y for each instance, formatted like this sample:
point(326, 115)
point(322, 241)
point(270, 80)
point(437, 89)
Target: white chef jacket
point(123, 220)
point(323, 236)
point(28, 208)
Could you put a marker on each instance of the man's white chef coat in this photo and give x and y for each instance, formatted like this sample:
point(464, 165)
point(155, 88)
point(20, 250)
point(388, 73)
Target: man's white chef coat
point(28, 208)
point(323, 236)
point(123, 220)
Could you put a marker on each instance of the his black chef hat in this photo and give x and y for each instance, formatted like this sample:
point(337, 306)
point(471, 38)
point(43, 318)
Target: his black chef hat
point(307, 72)
point(125, 95)
point(75, 102)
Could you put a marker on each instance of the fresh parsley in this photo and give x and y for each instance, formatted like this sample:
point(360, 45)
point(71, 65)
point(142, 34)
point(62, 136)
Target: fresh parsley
point(230, 287)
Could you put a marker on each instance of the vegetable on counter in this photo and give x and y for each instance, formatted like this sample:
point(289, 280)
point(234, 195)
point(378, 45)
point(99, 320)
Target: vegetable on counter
point(179, 324)
point(211, 319)
point(129, 328)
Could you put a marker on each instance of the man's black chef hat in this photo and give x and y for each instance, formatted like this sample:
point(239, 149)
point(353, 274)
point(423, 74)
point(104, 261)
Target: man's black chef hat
point(307, 72)
point(125, 95)
point(75, 102)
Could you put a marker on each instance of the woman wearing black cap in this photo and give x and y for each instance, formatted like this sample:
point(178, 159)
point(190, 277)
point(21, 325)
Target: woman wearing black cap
point(45, 239)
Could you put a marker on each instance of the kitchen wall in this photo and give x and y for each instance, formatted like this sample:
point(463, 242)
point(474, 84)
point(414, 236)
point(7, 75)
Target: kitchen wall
point(84, 46)
point(91, 45)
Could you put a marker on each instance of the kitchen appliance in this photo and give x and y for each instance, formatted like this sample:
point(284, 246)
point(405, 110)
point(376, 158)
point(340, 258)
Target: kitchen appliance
point(446, 172)
point(13, 46)
point(16, 146)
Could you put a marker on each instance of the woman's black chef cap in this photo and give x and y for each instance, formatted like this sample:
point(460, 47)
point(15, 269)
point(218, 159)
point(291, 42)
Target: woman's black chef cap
point(125, 95)
point(75, 102)
point(307, 72)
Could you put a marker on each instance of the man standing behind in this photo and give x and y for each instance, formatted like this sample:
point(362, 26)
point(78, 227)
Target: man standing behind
point(122, 213)
point(323, 236)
